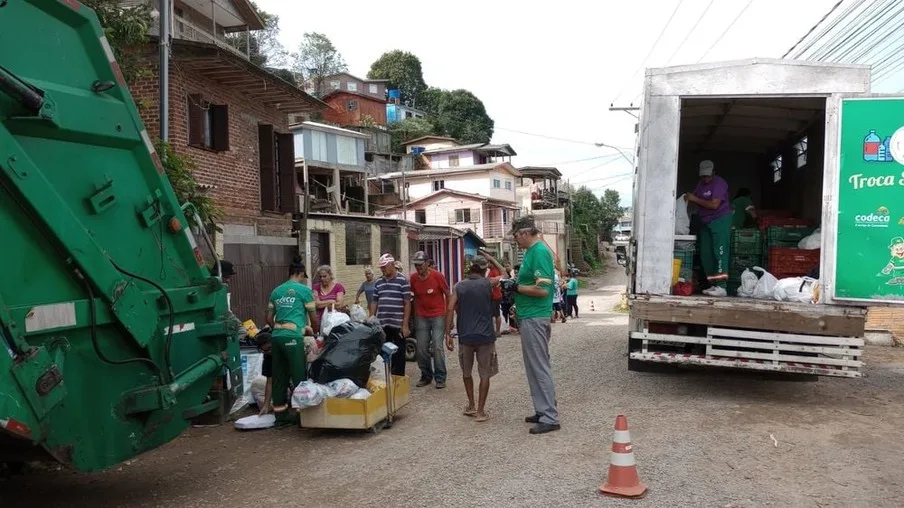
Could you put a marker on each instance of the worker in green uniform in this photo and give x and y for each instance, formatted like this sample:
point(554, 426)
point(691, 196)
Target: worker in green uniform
point(714, 210)
point(290, 309)
point(743, 211)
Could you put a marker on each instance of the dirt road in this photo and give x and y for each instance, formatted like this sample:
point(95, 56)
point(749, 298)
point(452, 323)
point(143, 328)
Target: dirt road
point(701, 439)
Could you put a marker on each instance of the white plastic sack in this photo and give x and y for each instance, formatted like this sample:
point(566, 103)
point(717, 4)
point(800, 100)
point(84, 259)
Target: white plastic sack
point(748, 284)
point(309, 394)
point(342, 388)
point(765, 287)
point(378, 369)
point(357, 313)
point(795, 289)
point(811, 242)
point(361, 394)
point(682, 219)
point(258, 389)
point(256, 422)
point(332, 318)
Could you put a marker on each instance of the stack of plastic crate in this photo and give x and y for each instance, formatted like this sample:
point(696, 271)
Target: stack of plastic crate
point(685, 252)
point(786, 236)
point(746, 251)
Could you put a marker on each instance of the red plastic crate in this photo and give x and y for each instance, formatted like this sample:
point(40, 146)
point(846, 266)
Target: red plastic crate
point(766, 222)
point(789, 262)
point(773, 213)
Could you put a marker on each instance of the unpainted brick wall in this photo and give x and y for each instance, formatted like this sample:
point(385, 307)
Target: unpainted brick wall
point(889, 319)
point(234, 173)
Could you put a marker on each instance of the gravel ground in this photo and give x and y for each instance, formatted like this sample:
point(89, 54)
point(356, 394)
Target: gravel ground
point(701, 439)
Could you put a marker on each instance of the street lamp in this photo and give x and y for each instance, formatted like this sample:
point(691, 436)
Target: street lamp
point(617, 149)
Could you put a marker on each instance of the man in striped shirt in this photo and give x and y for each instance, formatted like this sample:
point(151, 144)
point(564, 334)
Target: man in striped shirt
point(392, 307)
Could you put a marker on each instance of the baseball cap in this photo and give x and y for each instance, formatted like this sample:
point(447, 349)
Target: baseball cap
point(386, 259)
point(706, 168)
point(420, 257)
point(480, 262)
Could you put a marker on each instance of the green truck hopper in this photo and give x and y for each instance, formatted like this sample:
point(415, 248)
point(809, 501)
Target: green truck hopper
point(113, 331)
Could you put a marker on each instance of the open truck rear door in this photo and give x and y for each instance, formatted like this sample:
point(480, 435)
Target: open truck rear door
point(863, 191)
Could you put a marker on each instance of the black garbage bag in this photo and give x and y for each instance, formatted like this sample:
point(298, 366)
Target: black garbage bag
point(348, 351)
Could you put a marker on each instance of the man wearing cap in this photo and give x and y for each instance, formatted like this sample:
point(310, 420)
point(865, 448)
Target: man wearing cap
point(430, 291)
point(712, 198)
point(533, 300)
point(392, 307)
point(472, 301)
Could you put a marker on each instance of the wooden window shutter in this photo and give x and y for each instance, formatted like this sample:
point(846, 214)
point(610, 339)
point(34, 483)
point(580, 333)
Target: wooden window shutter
point(268, 166)
point(195, 120)
point(287, 177)
point(452, 218)
point(220, 127)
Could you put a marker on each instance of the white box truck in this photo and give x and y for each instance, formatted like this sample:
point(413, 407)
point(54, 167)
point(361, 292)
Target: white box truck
point(803, 137)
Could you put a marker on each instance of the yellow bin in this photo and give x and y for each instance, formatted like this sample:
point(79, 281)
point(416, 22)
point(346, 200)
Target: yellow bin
point(363, 414)
point(676, 270)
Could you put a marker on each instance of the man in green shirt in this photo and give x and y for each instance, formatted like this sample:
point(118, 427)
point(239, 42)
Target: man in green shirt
point(742, 208)
point(533, 300)
point(290, 309)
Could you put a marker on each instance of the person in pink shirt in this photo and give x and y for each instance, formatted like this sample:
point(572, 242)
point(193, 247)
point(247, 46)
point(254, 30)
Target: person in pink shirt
point(327, 292)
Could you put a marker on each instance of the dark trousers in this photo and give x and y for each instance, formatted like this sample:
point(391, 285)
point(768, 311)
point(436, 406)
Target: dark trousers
point(571, 305)
point(394, 335)
point(506, 309)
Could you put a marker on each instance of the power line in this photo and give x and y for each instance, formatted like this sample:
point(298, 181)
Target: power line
point(866, 18)
point(814, 27)
point(550, 137)
point(575, 161)
point(649, 53)
point(691, 31)
point(828, 28)
point(869, 30)
point(749, 2)
point(594, 167)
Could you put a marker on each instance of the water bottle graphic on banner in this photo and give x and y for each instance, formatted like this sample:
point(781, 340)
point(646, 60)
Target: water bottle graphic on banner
point(871, 145)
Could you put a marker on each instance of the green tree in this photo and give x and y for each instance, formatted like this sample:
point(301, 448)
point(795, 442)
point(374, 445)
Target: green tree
point(318, 58)
point(610, 212)
point(409, 129)
point(124, 27)
point(594, 218)
point(459, 114)
point(180, 169)
point(403, 70)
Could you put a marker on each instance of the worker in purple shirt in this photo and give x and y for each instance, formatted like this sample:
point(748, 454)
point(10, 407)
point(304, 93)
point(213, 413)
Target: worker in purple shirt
point(714, 209)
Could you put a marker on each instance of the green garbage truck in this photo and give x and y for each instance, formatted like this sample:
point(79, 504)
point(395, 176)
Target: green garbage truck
point(114, 333)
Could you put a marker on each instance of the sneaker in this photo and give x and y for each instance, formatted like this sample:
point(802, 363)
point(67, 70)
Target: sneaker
point(543, 428)
point(532, 419)
point(440, 385)
point(423, 382)
point(715, 291)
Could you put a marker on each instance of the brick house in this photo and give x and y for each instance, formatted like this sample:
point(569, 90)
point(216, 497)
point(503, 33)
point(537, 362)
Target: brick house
point(231, 117)
point(353, 108)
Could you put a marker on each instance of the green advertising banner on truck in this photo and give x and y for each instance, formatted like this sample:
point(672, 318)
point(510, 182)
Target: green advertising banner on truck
point(870, 250)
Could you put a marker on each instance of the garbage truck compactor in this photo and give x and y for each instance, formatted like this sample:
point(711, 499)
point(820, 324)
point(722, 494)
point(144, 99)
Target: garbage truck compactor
point(112, 330)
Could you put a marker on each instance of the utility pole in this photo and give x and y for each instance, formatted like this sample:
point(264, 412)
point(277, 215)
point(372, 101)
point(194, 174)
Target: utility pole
point(568, 257)
point(165, 11)
point(629, 109)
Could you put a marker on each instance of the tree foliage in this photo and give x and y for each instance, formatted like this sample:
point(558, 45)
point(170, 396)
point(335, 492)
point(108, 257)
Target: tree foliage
point(409, 128)
point(594, 218)
point(459, 114)
point(403, 70)
point(124, 28)
point(318, 58)
point(180, 169)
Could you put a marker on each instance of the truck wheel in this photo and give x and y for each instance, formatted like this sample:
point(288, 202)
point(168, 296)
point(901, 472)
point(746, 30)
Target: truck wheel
point(410, 349)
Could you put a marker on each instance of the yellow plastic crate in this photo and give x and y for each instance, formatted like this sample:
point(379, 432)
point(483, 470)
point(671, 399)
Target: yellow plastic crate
point(361, 414)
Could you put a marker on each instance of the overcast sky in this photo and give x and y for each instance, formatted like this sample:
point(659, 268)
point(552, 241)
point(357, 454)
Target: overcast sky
point(553, 69)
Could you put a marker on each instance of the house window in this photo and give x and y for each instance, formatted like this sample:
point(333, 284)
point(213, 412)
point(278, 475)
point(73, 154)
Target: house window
point(506, 216)
point(334, 85)
point(453, 161)
point(420, 216)
point(208, 124)
point(801, 149)
point(497, 184)
point(352, 105)
point(508, 185)
point(372, 88)
point(347, 150)
point(439, 184)
point(390, 240)
point(408, 115)
point(351, 86)
point(357, 243)
point(777, 169)
point(318, 146)
point(463, 215)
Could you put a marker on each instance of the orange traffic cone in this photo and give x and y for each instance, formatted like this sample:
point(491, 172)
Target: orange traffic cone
point(622, 480)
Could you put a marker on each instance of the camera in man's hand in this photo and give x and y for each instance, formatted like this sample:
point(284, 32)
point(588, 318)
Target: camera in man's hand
point(509, 286)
